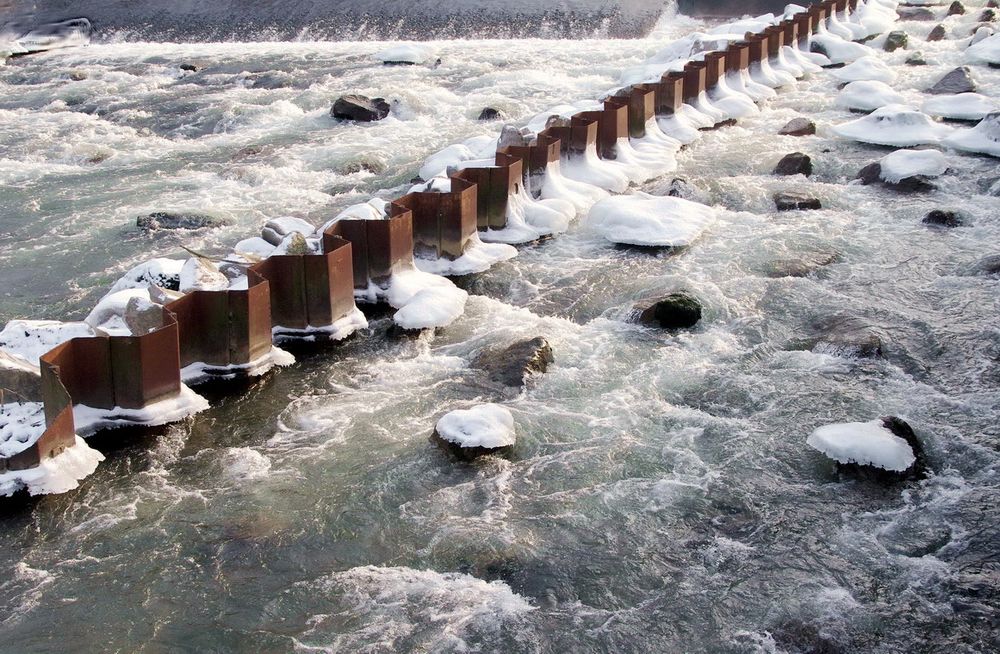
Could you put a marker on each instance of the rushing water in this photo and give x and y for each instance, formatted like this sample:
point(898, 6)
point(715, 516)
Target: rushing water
point(661, 496)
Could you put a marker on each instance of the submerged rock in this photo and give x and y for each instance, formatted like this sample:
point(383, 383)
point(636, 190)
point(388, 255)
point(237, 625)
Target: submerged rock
point(989, 265)
point(845, 336)
point(20, 380)
point(896, 40)
point(873, 174)
point(359, 108)
point(682, 188)
point(489, 113)
point(795, 163)
point(788, 201)
point(798, 127)
point(944, 218)
point(916, 59)
point(481, 430)
point(675, 311)
point(177, 220)
point(801, 267)
point(915, 13)
point(512, 365)
point(955, 82)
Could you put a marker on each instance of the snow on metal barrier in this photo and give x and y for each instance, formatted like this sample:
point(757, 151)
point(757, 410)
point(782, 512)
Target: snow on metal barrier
point(224, 333)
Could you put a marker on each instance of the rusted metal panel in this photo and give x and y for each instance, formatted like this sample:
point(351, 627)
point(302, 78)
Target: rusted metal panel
point(577, 137)
point(55, 397)
point(287, 284)
point(339, 276)
point(640, 101)
point(378, 247)
point(738, 56)
point(249, 321)
point(457, 215)
point(852, 5)
point(59, 434)
point(85, 370)
point(488, 196)
point(203, 324)
point(791, 31)
point(715, 68)
point(536, 157)
point(146, 368)
point(355, 231)
point(803, 24)
point(775, 39)
point(672, 93)
point(759, 47)
point(612, 124)
point(695, 74)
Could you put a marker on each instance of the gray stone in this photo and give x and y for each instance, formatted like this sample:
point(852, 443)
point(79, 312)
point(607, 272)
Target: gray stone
point(20, 380)
point(142, 316)
point(675, 311)
point(489, 113)
point(989, 265)
point(795, 163)
point(870, 174)
point(988, 16)
point(800, 267)
point(177, 220)
point(944, 218)
point(788, 201)
point(915, 13)
point(845, 335)
point(896, 40)
point(916, 59)
point(957, 81)
point(937, 34)
point(558, 121)
point(798, 127)
point(512, 365)
point(918, 470)
point(511, 136)
point(956, 9)
point(360, 108)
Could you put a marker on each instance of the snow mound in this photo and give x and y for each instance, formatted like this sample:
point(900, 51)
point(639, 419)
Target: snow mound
point(30, 339)
point(423, 300)
point(164, 273)
point(199, 274)
point(986, 51)
point(374, 209)
point(895, 125)
point(406, 53)
point(170, 409)
point(476, 258)
point(488, 425)
point(868, 96)
point(643, 219)
point(867, 68)
point(59, 474)
point(840, 51)
point(21, 425)
point(865, 443)
point(983, 138)
point(109, 314)
point(908, 163)
point(964, 106)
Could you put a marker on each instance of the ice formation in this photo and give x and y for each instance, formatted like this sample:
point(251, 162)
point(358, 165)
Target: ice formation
point(488, 425)
point(406, 53)
point(983, 138)
point(865, 443)
point(30, 339)
point(964, 106)
point(909, 163)
point(58, 474)
point(866, 69)
point(895, 125)
point(868, 96)
point(986, 51)
point(642, 219)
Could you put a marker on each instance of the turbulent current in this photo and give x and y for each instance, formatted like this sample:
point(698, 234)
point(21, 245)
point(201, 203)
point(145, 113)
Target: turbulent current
point(661, 496)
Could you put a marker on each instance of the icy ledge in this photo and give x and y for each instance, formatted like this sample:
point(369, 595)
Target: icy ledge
point(89, 419)
point(643, 219)
point(59, 474)
point(198, 372)
point(488, 426)
point(865, 443)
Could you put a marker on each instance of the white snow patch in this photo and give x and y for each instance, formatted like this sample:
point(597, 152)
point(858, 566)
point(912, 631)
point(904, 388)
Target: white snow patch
point(487, 425)
point(30, 339)
point(983, 138)
point(199, 274)
point(866, 443)
point(643, 219)
point(868, 96)
point(197, 372)
point(986, 51)
point(164, 273)
point(840, 51)
point(477, 257)
point(423, 300)
point(410, 53)
point(964, 106)
point(58, 474)
point(171, 409)
point(21, 425)
point(907, 163)
point(867, 68)
point(896, 125)
point(340, 329)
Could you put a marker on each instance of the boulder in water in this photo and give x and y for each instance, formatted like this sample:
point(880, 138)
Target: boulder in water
point(489, 113)
point(916, 59)
point(481, 430)
point(20, 380)
point(944, 218)
point(798, 127)
point(988, 16)
point(802, 266)
point(955, 82)
point(884, 450)
point(200, 274)
point(795, 163)
point(675, 311)
point(177, 220)
point(511, 136)
point(789, 201)
point(142, 316)
point(896, 40)
point(915, 13)
point(956, 9)
point(360, 108)
point(987, 266)
point(937, 34)
point(512, 365)
point(277, 229)
point(983, 138)
point(846, 336)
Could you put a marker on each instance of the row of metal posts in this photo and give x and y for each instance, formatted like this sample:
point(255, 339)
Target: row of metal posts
point(295, 293)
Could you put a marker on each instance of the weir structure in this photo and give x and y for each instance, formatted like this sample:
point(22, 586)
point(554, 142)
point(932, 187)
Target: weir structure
point(288, 296)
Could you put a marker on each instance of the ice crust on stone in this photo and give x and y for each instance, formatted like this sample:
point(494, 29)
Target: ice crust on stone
point(984, 138)
point(109, 314)
point(30, 339)
point(986, 51)
point(868, 68)
point(199, 274)
point(422, 300)
point(865, 443)
point(964, 106)
point(840, 51)
point(411, 53)
point(642, 219)
point(170, 409)
point(58, 474)
point(487, 425)
point(868, 96)
point(476, 257)
point(895, 125)
point(908, 163)
point(161, 272)
point(198, 372)
point(21, 425)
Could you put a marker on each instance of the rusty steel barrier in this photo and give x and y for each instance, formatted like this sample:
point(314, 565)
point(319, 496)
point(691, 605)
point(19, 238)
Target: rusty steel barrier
point(295, 293)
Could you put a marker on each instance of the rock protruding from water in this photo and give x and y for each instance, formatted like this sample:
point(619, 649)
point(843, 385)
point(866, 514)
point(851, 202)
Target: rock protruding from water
point(937, 34)
point(142, 316)
point(481, 430)
point(795, 163)
point(896, 40)
point(679, 310)
point(489, 113)
point(884, 451)
point(944, 218)
point(277, 229)
point(20, 380)
point(177, 220)
point(845, 335)
point(872, 174)
point(511, 136)
point(916, 59)
point(915, 13)
point(956, 9)
point(360, 108)
point(798, 127)
point(802, 266)
point(512, 365)
point(955, 82)
point(789, 201)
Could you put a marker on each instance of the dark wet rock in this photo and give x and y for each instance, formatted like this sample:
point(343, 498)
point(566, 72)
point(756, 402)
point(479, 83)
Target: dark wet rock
point(916, 59)
point(818, 48)
point(957, 81)
point(354, 167)
point(191, 68)
point(945, 218)
point(788, 201)
point(872, 174)
point(798, 127)
point(990, 186)
point(845, 335)
point(682, 188)
point(956, 9)
point(915, 13)
point(250, 151)
point(918, 470)
point(77, 75)
point(801, 266)
point(489, 113)
point(511, 136)
point(675, 311)
point(988, 16)
point(177, 220)
point(470, 453)
point(937, 34)
point(360, 108)
point(512, 365)
point(795, 163)
point(20, 380)
point(896, 40)
point(989, 265)
point(142, 316)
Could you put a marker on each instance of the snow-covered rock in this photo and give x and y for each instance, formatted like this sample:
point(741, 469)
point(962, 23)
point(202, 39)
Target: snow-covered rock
point(164, 273)
point(277, 229)
point(895, 125)
point(487, 426)
point(986, 51)
point(254, 248)
point(200, 274)
point(58, 474)
point(868, 96)
point(30, 339)
point(642, 219)
point(902, 164)
point(838, 50)
point(964, 106)
point(406, 53)
point(868, 68)
point(863, 443)
point(422, 300)
point(983, 138)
